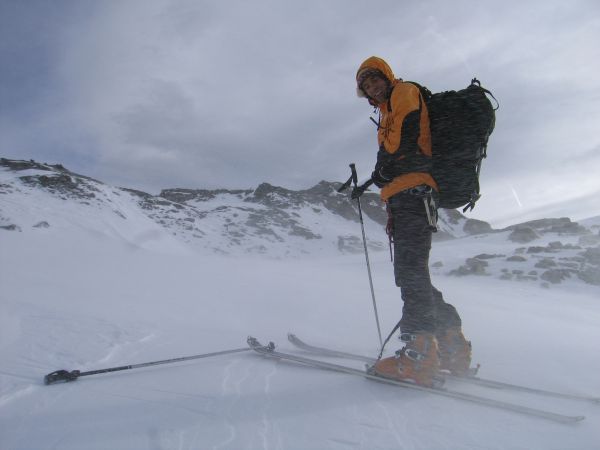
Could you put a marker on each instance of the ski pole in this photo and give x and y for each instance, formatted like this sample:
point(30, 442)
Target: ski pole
point(65, 375)
point(354, 179)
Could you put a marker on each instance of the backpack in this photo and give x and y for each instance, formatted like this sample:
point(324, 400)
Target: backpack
point(461, 123)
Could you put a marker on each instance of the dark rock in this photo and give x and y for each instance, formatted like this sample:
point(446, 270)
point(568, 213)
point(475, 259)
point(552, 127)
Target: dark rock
point(570, 265)
point(473, 227)
point(592, 255)
point(516, 258)
point(472, 266)
point(590, 275)
point(199, 195)
point(18, 165)
point(545, 263)
point(11, 227)
point(556, 276)
point(538, 250)
point(554, 225)
point(523, 235)
point(489, 256)
point(589, 240)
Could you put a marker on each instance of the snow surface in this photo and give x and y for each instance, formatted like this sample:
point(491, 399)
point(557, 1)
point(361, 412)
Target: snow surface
point(89, 295)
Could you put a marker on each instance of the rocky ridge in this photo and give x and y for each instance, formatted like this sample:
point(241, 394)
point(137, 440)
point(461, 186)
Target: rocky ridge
point(279, 222)
point(261, 220)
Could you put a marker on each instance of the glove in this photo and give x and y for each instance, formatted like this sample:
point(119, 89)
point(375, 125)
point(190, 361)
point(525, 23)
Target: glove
point(384, 169)
point(358, 191)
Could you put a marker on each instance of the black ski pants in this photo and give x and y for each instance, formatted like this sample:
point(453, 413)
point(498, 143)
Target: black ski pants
point(424, 308)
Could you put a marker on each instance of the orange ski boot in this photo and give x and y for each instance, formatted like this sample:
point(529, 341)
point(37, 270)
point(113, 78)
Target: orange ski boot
point(455, 351)
point(417, 362)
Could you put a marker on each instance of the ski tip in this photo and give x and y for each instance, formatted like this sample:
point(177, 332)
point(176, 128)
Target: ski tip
point(568, 419)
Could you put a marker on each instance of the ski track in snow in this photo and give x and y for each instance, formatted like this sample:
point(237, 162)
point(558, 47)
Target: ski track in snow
point(107, 341)
point(231, 389)
point(268, 424)
point(391, 428)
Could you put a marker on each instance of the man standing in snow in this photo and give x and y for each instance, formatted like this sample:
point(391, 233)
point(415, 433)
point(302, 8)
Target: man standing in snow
point(403, 172)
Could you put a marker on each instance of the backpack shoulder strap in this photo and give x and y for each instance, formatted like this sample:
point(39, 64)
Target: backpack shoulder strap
point(425, 92)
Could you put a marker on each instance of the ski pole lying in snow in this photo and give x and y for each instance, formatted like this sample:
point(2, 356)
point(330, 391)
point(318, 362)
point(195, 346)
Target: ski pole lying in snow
point(354, 179)
point(65, 375)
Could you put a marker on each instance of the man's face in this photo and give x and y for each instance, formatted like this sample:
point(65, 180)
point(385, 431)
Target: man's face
point(377, 88)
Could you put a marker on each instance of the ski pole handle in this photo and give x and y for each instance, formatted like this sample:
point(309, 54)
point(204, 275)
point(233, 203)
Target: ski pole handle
point(358, 190)
point(354, 174)
point(61, 375)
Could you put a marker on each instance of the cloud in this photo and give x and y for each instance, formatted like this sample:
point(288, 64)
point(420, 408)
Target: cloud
point(160, 93)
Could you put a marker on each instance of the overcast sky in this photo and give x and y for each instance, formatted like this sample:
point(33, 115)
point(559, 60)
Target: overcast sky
point(154, 94)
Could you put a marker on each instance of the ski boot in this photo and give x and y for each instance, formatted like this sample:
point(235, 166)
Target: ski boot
point(417, 362)
point(455, 352)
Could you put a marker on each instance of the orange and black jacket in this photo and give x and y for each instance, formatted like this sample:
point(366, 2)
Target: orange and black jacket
point(403, 136)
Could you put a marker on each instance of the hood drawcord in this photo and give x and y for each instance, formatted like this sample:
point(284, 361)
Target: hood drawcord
point(378, 121)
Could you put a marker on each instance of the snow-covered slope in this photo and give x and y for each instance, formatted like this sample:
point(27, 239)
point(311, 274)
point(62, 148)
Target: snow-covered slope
point(83, 297)
point(93, 276)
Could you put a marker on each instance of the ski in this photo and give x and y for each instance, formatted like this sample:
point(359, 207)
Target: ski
point(466, 379)
point(269, 351)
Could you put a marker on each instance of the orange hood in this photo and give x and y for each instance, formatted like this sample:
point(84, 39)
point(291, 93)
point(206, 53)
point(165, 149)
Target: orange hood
point(374, 63)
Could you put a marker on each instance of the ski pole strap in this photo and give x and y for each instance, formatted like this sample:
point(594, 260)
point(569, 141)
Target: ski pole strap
point(387, 340)
point(346, 185)
point(353, 179)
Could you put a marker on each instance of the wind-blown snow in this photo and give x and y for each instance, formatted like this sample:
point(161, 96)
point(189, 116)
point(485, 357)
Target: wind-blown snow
point(89, 293)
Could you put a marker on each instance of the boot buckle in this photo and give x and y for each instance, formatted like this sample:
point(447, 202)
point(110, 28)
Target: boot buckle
point(411, 354)
point(408, 337)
